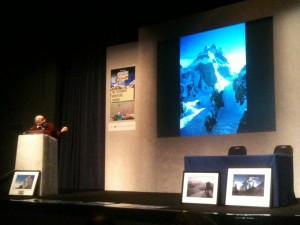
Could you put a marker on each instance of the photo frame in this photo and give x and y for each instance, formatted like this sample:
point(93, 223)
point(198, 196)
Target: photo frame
point(248, 187)
point(24, 183)
point(200, 187)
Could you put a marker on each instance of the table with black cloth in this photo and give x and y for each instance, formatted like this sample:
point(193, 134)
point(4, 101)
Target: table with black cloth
point(282, 181)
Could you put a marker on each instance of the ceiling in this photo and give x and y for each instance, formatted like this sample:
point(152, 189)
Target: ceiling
point(53, 25)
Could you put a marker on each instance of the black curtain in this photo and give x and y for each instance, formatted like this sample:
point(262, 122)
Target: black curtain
point(82, 108)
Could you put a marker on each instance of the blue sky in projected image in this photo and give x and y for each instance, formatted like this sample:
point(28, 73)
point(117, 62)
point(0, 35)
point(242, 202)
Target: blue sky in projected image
point(213, 81)
point(233, 45)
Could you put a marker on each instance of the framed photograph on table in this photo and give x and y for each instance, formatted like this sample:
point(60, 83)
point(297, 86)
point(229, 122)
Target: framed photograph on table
point(24, 183)
point(248, 187)
point(200, 187)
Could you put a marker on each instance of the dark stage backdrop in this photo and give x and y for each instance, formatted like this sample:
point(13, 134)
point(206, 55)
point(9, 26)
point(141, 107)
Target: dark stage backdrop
point(66, 82)
point(81, 101)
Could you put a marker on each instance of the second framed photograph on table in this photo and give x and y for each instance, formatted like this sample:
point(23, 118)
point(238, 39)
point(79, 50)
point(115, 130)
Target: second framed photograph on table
point(200, 188)
point(248, 187)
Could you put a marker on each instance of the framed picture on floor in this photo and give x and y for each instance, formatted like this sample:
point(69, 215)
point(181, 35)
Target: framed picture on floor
point(200, 187)
point(248, 187)
point(24, 183)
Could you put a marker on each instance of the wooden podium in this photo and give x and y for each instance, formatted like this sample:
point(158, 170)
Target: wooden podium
point(39, 152)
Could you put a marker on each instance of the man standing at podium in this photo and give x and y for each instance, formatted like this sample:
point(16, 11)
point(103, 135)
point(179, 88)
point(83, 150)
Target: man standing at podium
point(48, 128)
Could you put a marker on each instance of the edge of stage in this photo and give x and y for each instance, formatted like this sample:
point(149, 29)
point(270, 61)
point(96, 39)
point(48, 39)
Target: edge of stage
point(132, 207)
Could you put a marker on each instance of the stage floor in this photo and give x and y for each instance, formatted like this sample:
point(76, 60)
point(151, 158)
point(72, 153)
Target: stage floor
point(134, 207)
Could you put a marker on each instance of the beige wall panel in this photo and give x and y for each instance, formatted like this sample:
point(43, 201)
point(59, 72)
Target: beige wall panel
point(139, 161)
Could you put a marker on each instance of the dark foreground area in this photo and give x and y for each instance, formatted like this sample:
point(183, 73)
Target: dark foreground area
point(132, 208)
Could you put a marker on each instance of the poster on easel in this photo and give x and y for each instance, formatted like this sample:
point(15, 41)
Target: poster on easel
point(122, 94)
